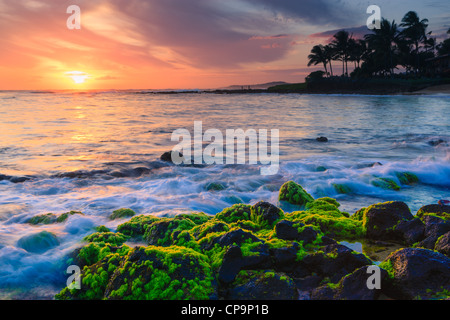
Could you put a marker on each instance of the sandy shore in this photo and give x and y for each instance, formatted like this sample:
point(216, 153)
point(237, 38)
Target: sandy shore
point(443, 89)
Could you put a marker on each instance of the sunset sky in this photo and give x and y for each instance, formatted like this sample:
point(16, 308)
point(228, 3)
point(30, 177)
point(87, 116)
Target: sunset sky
point(162, 44)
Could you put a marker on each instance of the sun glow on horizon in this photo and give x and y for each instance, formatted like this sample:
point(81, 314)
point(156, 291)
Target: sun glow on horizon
point(78, 77)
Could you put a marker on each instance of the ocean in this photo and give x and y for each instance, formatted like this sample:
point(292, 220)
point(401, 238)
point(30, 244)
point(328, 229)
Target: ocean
point(96, 152)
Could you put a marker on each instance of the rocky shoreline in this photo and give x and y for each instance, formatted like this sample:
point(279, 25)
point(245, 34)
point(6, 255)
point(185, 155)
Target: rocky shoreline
point(260, 252)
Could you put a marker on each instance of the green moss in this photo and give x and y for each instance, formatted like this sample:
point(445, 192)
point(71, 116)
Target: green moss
point(63, 217)
point(115, 239)
point(258, 217)
point(164, 232)
point(407, 178)
point(121, 213)
point(332, 223)
point(215, 186)
point(50, 218)
point(237, 212)
point(209, 227)
point(47, 218)
point(386, 183)
point(197, 218)
point(387, 265)
point(137, 225)
point(102, 229)
point(442, 215)
point(359, 215)
point(165, 273)
point(294, 193)
point(342, 188)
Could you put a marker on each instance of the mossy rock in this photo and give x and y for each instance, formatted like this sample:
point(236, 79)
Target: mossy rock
point(235, 213)
point(324, 214)
point(215, 186)
point(122, 213)
point(263, 285)
point(115, 239)
point(165, 232)
point(212, 226)
point(294, 193)
point(266, 214)
point(137, 225)
point(386, 183)
point(94, 278)
point(342, 188)
point(162, 273)
point(359, 215)
point(51, 218)
point(197, 218)
point(96, 251)
point(39, 242)
point(380, 220)
point(407, 178)
point(441, 211)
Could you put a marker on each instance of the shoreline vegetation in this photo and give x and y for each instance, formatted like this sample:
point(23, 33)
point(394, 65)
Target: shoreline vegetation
point(402, 58)
point(261, 252)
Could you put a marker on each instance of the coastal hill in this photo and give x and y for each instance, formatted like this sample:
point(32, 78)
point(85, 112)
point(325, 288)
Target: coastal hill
point(262, 86)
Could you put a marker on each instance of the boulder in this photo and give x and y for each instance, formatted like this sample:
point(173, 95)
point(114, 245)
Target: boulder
point(158, 273)
point(38, 242)
point(234, 237)
point(354, 286)
point(168, 156)
point(409, 232)
point(351, 287)
point(264, 286)
point(294, 193)
point(380, 219)
point(437, 209)
point(288, 230)
point(443, 244)
point(335, 262)
point(231, 265)
point(435, 227)
point(417, 273)
point(122, 213)
point(266, 214)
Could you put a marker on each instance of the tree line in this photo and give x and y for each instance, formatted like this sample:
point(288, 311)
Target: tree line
point(379, 53)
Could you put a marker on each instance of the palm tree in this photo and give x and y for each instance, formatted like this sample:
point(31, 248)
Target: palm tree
point(414, 32)
point(318, 55)
point(330, 55)
point(358, 50)
point(383, 45)
point(341, 44)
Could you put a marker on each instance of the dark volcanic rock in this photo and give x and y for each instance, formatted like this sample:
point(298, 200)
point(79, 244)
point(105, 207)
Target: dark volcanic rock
point(231, 265)
point(410, 232)
point(443, 244)
point(336, 261)
point(433, 208)
point(354, 286)
point(286, 230)
point(234, 237)
point(351, 287)
point(265, 286)
point(168, 156)
point(322, 139)
point(435, 227)
point(417, 273)
point(264, 212)
point(380, 219)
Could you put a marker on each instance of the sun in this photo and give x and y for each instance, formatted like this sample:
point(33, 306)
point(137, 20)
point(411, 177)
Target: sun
point(78, 77)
